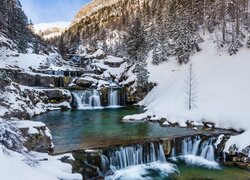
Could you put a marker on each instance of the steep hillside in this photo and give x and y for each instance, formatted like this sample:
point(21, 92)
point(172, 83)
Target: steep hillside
point(20, 47)
point(15, 26)
point(170, 26)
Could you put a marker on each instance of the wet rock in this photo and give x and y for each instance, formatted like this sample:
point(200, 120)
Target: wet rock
point(167, 146)
point(104, 96)
point(87, 163)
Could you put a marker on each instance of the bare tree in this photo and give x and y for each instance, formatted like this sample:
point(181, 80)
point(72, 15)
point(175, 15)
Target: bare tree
point(190, 88)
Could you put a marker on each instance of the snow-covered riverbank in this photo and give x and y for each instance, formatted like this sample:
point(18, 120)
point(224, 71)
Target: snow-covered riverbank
point(221, 90)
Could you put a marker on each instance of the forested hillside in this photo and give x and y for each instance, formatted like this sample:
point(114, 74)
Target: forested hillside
point(170, 28)
point(15, 26)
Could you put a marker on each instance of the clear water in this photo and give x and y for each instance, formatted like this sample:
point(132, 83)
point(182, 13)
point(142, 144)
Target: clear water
point(73, 130)
point(88, 129)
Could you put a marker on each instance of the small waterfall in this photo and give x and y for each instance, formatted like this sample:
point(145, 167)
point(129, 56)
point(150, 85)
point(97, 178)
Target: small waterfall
point(198, 148)
point(124, 157)
point(113, 97)
point(208, 151)
point(87, 99)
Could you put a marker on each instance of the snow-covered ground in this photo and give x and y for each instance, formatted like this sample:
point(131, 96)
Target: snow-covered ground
point(39, 166)
point(222, 90)
point(18, 163)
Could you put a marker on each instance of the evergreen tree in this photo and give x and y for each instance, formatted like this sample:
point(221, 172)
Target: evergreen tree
point(160, 54)
point(135, 46)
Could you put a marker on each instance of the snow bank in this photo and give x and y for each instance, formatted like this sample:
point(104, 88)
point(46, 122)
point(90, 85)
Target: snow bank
point(15, 166)
point(241, 141)
point(31, 125)
point(112, 59)
point(222, 89)
point(17, 163)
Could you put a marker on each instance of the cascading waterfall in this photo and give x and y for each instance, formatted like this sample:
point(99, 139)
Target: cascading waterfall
point(198, 148)
point(87, 99)
point(113, 98)
point(124, 157)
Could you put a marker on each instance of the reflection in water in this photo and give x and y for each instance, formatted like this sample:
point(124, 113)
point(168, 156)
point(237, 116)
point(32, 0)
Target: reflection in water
point(85, 129)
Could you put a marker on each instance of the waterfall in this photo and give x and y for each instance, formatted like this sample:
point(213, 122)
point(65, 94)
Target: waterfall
point(113, 98)
point(88, 99)
point(124, 157)
point(198, 148)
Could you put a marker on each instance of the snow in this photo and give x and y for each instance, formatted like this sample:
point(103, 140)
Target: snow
point(112, 59)
point(111, 71)
point(218, 141)
point(39, 166)
point(32, 126)
point(96, 54)
point(241, 141)
point(222, 90)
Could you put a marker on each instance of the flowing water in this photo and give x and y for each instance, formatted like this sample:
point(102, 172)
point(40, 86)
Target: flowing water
point(88, 99)
point(113, 98)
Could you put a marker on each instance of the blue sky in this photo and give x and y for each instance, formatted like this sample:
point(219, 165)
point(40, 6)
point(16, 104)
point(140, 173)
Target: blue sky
point(44, 11)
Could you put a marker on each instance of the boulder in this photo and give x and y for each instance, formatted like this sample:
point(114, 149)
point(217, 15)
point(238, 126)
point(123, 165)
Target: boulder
point(85, 82)
point(58, 95)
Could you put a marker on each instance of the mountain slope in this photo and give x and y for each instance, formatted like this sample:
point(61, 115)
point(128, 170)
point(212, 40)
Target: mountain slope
point(220, 91)
point(50, 30)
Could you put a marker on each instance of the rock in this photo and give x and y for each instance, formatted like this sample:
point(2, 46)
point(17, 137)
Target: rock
point(87, 163)
point(104, 96)
point(38, 80)
point(233, 150)
point(190, 124)
point(208, 126)
point(40, 142)
point(162, 120)
point(83, 82)
point(136, 95)
point(58, 95)
point(167, 146)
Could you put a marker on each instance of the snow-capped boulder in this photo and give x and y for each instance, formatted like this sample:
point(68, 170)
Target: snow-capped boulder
point(37, 136)
point(86, 81)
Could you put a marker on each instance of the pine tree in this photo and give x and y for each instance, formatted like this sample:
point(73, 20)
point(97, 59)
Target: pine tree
point(160, 54)
point(135, 46)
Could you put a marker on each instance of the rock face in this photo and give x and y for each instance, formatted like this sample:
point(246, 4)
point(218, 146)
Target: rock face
point(138, 95)
point(36, 80)
point(24, 102)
